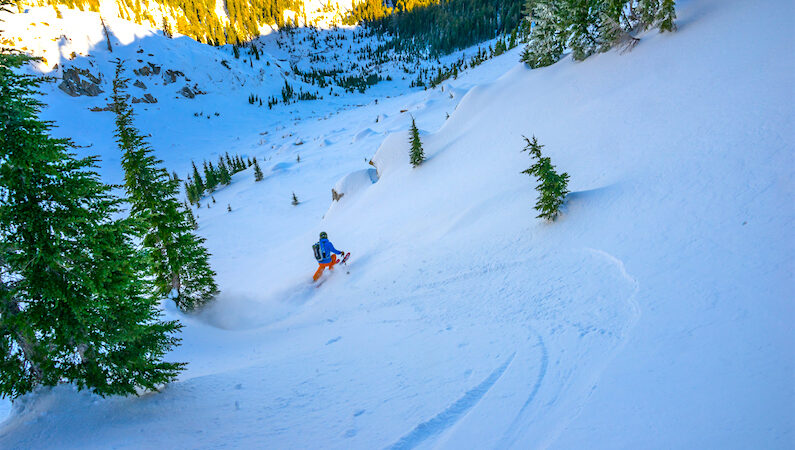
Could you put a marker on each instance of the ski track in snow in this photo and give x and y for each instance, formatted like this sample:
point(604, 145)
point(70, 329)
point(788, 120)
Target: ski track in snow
point(510, 436)
point(447, 418)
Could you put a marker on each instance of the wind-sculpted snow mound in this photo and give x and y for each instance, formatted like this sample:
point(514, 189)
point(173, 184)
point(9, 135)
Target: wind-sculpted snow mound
point(351, 186)
point(392, 154)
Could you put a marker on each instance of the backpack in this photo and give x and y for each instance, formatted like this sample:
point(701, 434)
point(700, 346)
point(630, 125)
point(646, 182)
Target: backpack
point(320, 254)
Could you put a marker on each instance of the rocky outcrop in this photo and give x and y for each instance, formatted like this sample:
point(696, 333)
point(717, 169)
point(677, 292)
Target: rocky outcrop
point(186, 92)
point(147, 70)
point(147, 98)
point(170, 76)
point(77, 82)
point(139, 84)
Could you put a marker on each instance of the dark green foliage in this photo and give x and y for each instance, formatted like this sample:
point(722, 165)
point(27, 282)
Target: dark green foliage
point(224, 177)
point(191, 217)
point(590, 26)
point(295, 200)
point(177, 258)
point(445, 26)
point(197, 181)
point(74, 306)
point(257, 171)
point(210, 177)
point(366, 11)
point(552, 188)
point(417, 155)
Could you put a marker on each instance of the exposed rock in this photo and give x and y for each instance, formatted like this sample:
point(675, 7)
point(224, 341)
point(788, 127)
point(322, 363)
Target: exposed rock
point(147, 98)
point(170, 76)
point(139, 84)
point(186, 92)
point(74, 86)
point(335, 196)
point(144, 71)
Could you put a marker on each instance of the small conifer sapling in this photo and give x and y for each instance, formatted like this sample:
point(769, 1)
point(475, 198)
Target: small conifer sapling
point(552, 187)
point(417, 154)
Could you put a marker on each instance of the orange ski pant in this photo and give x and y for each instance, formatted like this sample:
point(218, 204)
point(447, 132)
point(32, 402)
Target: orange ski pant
point(322, 267)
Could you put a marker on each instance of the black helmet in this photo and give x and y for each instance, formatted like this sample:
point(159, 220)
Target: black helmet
point(323, 235)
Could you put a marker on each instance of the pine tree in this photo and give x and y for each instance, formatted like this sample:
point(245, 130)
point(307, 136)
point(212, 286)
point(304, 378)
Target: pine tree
point(666, 16)
point(191, 218)
point(417, 154)
point(177, 258)
point(546, 43)
point(73, 303)
point(197, 181)
point(210, 176)
point(295, 200)
point(551, 186)
point(257, 171)
point(224, 177)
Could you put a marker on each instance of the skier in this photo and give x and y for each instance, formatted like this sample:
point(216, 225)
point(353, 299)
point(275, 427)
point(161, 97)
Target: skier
point(326, 255)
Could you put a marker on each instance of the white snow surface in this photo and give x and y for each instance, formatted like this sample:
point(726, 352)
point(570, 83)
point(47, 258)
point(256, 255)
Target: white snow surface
point(656, 312)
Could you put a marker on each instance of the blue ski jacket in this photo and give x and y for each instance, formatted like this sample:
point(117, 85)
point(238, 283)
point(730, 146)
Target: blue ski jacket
point(327, 248)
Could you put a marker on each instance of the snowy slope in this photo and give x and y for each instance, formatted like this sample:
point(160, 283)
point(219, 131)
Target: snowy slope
point(655, 313)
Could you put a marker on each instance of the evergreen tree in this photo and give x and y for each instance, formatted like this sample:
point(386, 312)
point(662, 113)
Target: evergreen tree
point(191, 218)
point(197, 181)
point(295, 200)
point(210, 176)
point(546, 44)
point(73, 303)
point(666, 16)
point(177, 258)
point(551, 186)
point(224, 177)
point(257, 171)
point(590, 26)
point(417, 155)
point(229, 163)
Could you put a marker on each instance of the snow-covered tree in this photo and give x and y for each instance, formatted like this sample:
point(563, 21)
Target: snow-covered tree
point(178, 260)
point(590, 26)
point(546, 43)
point(416, 154)
point(552, 187)
point(73, 303)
